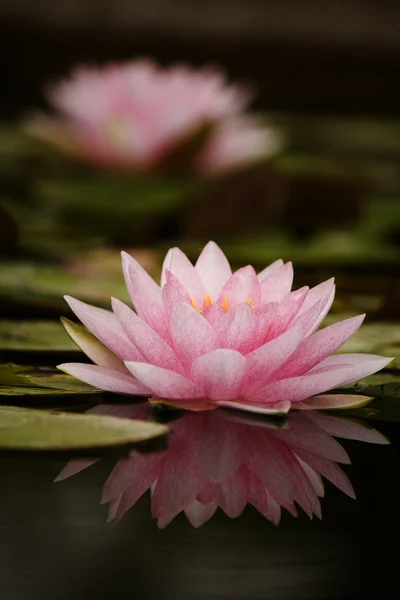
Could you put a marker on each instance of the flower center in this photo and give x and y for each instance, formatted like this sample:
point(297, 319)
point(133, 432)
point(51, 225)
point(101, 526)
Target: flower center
point(208, 302)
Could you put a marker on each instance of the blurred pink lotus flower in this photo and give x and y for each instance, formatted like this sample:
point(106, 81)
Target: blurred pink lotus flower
point(134, 115)
point(218, 459)
point(207, 338)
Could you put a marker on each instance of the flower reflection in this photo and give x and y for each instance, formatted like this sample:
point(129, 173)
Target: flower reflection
point(221, 458)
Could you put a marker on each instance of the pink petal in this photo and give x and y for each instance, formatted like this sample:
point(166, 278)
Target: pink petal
point(164, 383)
point(270, 269)
point(325, 293)
point(333, 402)
point(145, 294)
point(363, 365)
point(218, 452)
point(104, 325)
point(328, 469)
point(213, 268)
point(75, 466)
point(266, 317)
point(299, 388)
point(219, 373)
point(314, 478)
point(241, 287)
point(113, 509)
point(286, 311)
point(192, 333)
point(348, 429)
point(178, 263)
point(151, 346)
point(132, 477)
point(105, 379)
point(213, 313)
point(266, 360)
point(93, 348)
point(301, 433)
point(277, 284)
point(173, 292)
point(198, 514)
point(280, 408)
point(231, 496)
point(237, 329)
point(320, 345)
point(307, 320)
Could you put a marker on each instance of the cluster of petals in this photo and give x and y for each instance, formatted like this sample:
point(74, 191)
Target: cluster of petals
point(216, 459)
point(132, 115)
point(207, 337)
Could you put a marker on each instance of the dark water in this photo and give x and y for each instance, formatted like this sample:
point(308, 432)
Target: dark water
point(55, 542)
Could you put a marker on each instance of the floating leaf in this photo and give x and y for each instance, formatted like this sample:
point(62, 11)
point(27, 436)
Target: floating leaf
point(385, 389)
point(24, 429)
point(34, 336)
point(17, 380)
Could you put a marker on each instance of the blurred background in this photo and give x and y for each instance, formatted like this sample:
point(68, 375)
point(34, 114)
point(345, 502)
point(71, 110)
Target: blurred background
point(320, 188)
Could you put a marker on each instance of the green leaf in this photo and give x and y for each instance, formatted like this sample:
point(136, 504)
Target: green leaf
point(384, 387)
point(24, 429)
point(34, 336)
point(18, 380)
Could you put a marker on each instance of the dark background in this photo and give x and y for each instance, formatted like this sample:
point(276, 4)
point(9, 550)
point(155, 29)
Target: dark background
point(337, 57)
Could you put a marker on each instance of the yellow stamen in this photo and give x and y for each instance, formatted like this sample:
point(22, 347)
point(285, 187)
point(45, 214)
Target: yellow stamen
point(194, 303)
point(207, 299)
point(249, 301)
point(225, 303)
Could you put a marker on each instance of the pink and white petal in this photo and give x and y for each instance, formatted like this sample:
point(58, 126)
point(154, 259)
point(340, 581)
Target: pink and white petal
point(333, 402)
point(280, 408)
point(104, 326)
point(192, 334)
point(164, 383)
point(237, 329)
point(92, 347)
point(241, 287)
point(75, 466)
point(314, 478)
point(219, 373)
point(265, 316)
point(322, 291)
point(198, 514)
point(277, 284)
point(231, 496)
point(305, 386)
point(214, 269)
point(286, 311)
point(348, 429)
point(270, 269)
point(184, 271)
point(307, 320)
point(363, 365)
point(213, 312)
point(149, 285)
point(166, 266)
point(302, 433)
point(266, 360)
point(328, 469)
point(105, 379)
point(317, 347)
point(173, 293)
point(113, 508)
point(151, 346)
point(147, 299)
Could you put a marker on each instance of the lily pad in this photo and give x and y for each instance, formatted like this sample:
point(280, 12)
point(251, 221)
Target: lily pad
point(24, 381)
point(38, 336)
point(24, 429)
point(385, 389)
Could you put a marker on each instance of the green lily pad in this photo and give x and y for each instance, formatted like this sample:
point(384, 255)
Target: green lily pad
point(24, 429)
point(34, 336)
point(384, 387)
point(24, 381)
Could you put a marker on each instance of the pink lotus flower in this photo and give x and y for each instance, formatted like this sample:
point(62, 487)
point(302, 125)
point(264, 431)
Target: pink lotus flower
point(218, 459)
point(135, 114)
point(207, 338)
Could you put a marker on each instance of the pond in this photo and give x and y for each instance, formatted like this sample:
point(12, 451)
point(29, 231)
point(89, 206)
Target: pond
point(55, 541)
